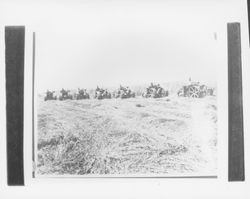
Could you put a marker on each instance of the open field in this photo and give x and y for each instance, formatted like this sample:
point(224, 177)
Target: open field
point(168, 136)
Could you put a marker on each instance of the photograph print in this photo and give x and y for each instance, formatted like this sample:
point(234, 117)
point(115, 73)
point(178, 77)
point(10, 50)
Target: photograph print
point(122, 92)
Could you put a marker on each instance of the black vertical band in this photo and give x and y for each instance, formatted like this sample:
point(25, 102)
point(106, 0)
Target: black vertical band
point(235, 119)
point(33, 102)
point(248, 11)
point(14, 60)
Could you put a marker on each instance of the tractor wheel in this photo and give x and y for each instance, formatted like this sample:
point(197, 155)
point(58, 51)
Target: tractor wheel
point(194, 92)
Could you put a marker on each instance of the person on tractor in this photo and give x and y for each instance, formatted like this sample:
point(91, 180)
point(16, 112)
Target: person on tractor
point(128, 91)
point(49, 94)
point(97, 88)
point(64, 93)
point(105, 92)
point(122, 88)
point(81, 92)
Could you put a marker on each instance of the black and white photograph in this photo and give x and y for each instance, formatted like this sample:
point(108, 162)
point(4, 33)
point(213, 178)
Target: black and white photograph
point(127, 94)
point(124, 99)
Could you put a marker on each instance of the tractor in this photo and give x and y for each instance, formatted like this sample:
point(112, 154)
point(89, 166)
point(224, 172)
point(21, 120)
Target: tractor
point(124, 92)
point(155, 91)
point(65, 95)
point(50, 95)
point(102, 93)
point(82, 94)
point(195, 90)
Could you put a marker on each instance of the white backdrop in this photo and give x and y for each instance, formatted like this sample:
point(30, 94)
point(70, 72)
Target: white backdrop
point(34, 14)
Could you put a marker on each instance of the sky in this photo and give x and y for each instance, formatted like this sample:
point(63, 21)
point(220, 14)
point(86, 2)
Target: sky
point(89, 43)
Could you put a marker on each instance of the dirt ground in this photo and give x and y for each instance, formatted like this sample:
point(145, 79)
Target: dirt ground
point(165, 136)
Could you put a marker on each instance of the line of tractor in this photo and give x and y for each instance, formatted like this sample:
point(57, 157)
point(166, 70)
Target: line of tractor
point(193, 90)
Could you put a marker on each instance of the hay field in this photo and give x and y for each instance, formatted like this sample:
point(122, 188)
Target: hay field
point(166, 136)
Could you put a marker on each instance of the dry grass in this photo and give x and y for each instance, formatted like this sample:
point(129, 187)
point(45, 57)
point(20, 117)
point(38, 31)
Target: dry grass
point(130, 136)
